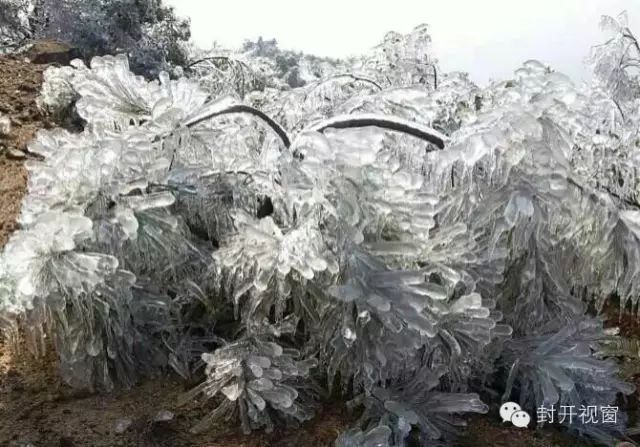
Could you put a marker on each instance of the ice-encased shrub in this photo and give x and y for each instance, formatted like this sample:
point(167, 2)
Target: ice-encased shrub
point(258, 377)
point(349, 245)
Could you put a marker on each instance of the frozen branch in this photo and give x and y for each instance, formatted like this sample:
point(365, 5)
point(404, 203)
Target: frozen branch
point(383, 122)
point(241, 108)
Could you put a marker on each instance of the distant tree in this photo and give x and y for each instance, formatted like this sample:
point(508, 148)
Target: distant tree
point(14, 25)
point(294, 67)
point(151, 35)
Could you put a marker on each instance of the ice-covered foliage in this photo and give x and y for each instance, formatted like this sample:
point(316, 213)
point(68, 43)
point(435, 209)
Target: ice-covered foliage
point(405, 59)
point(556, 366)
point(388, 323)
point(563, 364)
point(259, 66)
point(415, 405)
point(398, 234)
point(221, 72)
point(611, 145)
point(255, 374)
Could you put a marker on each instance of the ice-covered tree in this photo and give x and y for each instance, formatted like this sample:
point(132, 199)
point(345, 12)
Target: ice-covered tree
point(148, 32)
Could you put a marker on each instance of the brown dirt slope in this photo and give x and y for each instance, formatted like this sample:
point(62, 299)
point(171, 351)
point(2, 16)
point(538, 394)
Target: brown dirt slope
point(19, 87)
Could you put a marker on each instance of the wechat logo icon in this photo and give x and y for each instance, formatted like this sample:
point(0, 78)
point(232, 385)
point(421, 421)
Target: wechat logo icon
point(512, 412)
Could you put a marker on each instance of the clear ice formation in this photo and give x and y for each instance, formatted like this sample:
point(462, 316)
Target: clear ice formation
point(376, 437)
point(172, 233)
point(257, 376)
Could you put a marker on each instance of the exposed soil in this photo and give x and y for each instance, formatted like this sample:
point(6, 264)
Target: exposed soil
point(13, 181)
point(36, 409)
point(627, 321)
point(19, 87)
point(487, 431)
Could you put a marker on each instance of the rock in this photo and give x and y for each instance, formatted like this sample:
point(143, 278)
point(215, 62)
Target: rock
point(51, 52)
point(16, 154)
point(122, 425)
point(163, 416)
point(5, 125)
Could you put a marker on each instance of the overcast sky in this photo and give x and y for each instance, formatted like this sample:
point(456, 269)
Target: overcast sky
point(487, 38)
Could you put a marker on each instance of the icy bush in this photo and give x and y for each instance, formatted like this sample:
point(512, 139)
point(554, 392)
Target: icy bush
point(255, 374)
point(557, 366)
point(415, 403)
point(405, 60)
point(410, 243)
